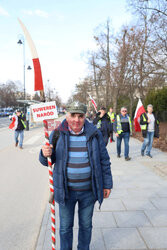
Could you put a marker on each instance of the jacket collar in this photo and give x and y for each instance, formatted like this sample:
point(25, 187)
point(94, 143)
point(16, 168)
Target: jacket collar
point(89, 128)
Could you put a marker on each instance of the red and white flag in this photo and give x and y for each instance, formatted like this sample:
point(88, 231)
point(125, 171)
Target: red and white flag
point(93, 102)
point(139, 111)
point(38, 82)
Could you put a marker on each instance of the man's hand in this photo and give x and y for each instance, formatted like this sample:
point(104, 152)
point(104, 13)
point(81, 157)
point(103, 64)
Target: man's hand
point(117, 135)
point(148, 120)
point(106, 193)
point(47, 150)
point(100, 115)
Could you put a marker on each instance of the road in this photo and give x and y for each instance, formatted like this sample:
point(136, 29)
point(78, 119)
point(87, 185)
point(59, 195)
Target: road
point(4, 122)
point(23, 189)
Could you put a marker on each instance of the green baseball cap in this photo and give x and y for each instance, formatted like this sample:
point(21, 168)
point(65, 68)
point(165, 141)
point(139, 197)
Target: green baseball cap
point(77, 107)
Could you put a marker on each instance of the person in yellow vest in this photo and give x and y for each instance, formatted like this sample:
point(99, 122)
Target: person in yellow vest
point(150, 129)
point(123, 129)
point(18, 126)
point(112, 116)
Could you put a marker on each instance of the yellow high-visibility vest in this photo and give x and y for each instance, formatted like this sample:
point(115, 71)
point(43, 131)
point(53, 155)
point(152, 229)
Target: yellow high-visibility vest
point(119, 126)
point(144, 126)
point(98, 124)
point(112, 116)
point(23, 122)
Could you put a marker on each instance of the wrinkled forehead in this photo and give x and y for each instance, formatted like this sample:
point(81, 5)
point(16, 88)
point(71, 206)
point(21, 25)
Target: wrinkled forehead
point(76, 114)
point(149, 107)
point(122, 109)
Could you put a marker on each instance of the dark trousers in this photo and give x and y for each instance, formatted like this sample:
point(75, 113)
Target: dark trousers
point(111, 132)
point(111, 135)
point(125, 136)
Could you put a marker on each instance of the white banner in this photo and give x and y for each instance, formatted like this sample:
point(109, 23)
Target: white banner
point(44, 111)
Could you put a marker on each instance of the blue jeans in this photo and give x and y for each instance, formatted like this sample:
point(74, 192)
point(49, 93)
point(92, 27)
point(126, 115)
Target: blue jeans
point(16, 136)
point(148, 141)
point(125, 136)
point(86, 203)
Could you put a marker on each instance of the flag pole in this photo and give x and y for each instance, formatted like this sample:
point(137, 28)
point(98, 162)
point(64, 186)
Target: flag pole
point(38, 81)
point(93, 102)
point(51, 198)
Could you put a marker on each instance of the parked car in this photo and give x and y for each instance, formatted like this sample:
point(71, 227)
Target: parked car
point(1, 112)
point(6, 112)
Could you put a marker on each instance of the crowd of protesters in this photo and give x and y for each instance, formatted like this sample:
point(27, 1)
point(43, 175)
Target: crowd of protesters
point(110, 123)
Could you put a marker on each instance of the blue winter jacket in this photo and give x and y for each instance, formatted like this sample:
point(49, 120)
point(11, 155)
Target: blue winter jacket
point(98, 157)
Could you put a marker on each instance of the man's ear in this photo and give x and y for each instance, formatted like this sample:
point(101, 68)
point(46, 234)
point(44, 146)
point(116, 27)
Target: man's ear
point(67, 116)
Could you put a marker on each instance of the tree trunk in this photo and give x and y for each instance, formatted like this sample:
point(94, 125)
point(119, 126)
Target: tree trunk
point(108, 78)
point(115, 100)
point(131, 106)
point(95, 81)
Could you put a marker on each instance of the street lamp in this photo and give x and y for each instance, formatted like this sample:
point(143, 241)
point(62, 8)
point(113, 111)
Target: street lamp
point(21, 41)
point(29, 67)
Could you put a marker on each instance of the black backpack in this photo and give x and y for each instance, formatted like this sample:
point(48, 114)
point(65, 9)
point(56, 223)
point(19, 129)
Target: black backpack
point(56, 135)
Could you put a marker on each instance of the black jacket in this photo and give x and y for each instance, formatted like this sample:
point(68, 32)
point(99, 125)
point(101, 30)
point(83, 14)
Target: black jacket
point(156, 125)
point(20, 125)
point(105, 126)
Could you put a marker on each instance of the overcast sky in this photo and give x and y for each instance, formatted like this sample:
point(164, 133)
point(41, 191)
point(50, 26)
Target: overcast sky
point(62, 31)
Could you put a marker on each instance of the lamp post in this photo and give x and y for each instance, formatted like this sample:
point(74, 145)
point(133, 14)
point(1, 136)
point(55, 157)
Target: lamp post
point(21, 41)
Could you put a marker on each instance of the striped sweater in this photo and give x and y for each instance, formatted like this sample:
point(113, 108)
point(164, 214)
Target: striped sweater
point(78, 166)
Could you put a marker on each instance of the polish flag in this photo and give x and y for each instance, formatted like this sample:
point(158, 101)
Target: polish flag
point(93, 102)
point(14, 123)
point(38, 82)
point(139, 111)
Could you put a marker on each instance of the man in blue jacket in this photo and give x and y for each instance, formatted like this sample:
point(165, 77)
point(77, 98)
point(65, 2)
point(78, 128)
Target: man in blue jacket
point(81, 173)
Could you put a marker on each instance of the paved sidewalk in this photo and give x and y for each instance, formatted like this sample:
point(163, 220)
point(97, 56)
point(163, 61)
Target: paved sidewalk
point(135, 215)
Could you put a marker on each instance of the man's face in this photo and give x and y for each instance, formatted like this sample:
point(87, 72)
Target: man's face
point(75, 121)
point(102, 112)
point(110, 110)
point(18, 113)
point(149, 109)
point(123, 111)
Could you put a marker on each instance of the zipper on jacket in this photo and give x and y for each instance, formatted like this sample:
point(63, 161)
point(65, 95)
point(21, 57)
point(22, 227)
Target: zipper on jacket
point(91, 163)
point(90, 140)
point(65, 164)
point(98, 181)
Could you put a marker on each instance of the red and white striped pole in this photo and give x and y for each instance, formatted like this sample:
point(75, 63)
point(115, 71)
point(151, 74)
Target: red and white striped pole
point(51, 199)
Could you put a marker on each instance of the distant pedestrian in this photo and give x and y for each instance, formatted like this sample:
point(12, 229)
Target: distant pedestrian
point(81, 174)
point(112, 116)
point(18, 125)
point(102, 122)
point(123, 130)
point(150, 129)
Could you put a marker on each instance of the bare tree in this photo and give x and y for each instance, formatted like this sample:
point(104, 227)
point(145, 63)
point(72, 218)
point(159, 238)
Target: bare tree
point(81, 91)
point(8, 94)
point(156, 7)
point(131, 62)
point(96, 77)
point(155, 12)
point(103, 41)
point(36, 96)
